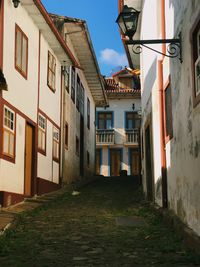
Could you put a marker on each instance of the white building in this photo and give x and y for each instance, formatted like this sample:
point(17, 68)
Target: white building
point(118, 126)
point(170, 106)
point(33, 60)
point(84, 92)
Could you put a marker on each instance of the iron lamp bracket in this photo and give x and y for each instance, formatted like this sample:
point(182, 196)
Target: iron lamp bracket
point(173, 50)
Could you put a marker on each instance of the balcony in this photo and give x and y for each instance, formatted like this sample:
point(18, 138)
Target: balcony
point(132, 137)
point(105, 137)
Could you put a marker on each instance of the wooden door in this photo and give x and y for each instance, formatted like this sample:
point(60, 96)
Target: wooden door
point(115, 162)
point(149, 177)
point(81, 146)
point(98, 161)
point(28, 160)
point(135, 162)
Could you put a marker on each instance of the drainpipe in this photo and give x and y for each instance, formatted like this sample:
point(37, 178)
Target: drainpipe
point(162, 135)
point(161, 109)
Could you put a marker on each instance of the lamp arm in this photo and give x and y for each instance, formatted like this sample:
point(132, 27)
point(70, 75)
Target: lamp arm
point(172, 51)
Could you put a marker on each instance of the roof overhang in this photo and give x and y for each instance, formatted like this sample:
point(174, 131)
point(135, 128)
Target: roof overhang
point(134, 59)
point(45, 24)
point(84, 50)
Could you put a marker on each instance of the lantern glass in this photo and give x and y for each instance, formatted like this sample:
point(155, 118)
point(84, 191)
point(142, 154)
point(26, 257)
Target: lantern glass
point(128, 20)
point(16, 3)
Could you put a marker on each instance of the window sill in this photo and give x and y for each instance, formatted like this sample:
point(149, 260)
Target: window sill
point(43, 152)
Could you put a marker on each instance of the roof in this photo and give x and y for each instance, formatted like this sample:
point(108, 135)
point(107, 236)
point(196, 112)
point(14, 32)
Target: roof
point(41, 18)
point(82, 45)
point(127, 71)
point(113, 89)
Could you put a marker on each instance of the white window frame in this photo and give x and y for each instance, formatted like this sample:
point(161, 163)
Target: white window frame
point(56, 141)
point(9, 130)
point(51, 75)
point(42, 127)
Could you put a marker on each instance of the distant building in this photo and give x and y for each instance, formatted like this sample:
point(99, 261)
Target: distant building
point(118, 126)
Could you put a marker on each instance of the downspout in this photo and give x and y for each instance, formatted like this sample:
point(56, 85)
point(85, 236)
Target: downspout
point(161, 109)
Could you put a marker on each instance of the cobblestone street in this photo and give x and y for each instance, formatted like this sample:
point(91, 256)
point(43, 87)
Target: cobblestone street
point(107, 224)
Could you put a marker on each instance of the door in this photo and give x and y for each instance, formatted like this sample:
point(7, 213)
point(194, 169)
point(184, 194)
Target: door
point(98, 161)
point(115, 162)
point(81, 146)
point(149, 178)
point(135, 162)
point(28, 160)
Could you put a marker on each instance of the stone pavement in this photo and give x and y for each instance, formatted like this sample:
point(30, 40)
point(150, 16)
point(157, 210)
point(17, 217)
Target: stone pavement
point(106, 223)
point(9, 214)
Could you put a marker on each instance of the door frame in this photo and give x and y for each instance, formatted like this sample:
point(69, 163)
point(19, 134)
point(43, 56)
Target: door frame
point(34, 159)
point(100, 160)
point(81, 159)
point(130, 149)
point(109, 158)
point(150, 195)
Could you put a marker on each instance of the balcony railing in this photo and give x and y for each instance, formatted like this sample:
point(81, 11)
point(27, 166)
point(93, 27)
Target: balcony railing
point(132, 136)
point(105, 137)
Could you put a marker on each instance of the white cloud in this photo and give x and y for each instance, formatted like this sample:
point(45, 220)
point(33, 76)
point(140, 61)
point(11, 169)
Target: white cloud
point(113, 58)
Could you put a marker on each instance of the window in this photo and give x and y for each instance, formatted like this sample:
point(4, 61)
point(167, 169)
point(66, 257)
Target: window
point(78, 93)
point(66, 80)
point(77, 146)
point(88, 113)
point(196, 61)
point(168, 113)
point(197, 66)
point(51, 76)
point(55, 144)
point(73, 84)
point(21, 52)
point(82, 99)
point(9, 133)
point(132, 120)
point(88, 159)
point(105, 120)
point(66, 135)
point(42, 133)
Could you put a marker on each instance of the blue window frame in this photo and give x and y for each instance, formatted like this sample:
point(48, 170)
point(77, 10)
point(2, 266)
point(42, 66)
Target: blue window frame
point(105, 120)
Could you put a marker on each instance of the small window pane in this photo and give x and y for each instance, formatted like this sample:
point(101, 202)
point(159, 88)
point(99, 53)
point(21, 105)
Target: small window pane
point(18, 48)
point(11, 152)
point(24, 55)
point(6, 142)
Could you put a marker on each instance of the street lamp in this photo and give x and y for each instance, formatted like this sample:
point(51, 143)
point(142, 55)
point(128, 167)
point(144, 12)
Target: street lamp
point(128, 20)
point(16, 3)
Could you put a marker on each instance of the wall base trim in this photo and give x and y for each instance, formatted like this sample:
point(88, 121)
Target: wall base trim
point(45, 186)
point(10, 198)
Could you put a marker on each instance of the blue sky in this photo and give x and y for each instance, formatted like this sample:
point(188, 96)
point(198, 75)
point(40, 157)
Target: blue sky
point(100, 17)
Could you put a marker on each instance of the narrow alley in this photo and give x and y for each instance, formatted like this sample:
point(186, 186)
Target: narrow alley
point(106, 223)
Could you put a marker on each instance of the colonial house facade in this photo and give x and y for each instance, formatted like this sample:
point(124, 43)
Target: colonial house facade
point(34, 59)
point(170, 106)
point(84, 92)
point(118, 126)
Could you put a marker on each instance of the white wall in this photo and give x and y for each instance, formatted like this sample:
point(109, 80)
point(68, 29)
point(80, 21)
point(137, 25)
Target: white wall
point(21, 93)
point(72, 117)
point(49, 101)
point(182, 152)
point(12, 175)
